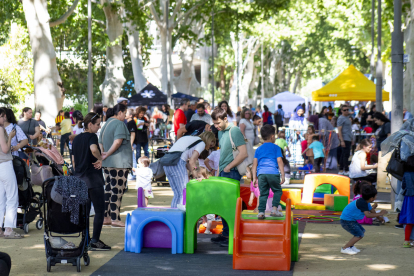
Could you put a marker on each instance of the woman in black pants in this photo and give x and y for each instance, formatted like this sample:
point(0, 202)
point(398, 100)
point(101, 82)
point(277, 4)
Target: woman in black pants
point(87, 163)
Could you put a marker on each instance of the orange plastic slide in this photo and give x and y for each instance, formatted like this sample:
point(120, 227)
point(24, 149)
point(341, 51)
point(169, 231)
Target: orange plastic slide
point(262, 244)
point(313, 180)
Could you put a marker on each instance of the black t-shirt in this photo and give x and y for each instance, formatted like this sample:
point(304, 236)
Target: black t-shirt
point(195, 128)
point(382, 132)
point(84, 159)
point(132, 127)
point(142, 134)
point(189, 114)
point(362, 204)
point(364, 119)
point(42, 123)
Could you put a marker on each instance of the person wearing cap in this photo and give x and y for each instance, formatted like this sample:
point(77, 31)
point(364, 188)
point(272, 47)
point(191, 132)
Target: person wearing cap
point(191, 110)
point(122, 100)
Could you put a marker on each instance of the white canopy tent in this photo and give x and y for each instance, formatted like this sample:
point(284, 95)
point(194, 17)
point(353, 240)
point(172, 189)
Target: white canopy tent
point(289, 102)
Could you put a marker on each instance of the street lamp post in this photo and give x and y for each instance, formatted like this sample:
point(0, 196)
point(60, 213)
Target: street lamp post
point(90, 74)
point(379, 63)
point(372, 39)
point(212, 57)
point(397, 52)
point(167, 4)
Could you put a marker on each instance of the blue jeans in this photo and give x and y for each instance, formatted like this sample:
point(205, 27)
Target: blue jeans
point(131, 175)
point(138, 152)
point(353, 227)
point(233, 174)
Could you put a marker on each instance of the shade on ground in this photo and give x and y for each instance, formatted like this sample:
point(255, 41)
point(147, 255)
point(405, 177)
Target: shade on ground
point(350, 85)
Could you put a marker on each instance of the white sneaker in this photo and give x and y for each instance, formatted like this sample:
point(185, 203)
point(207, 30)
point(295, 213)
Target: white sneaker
point(341, 173)
point(208, 232)
point(348, 251)
point(355, 249)
point(346, 173)
point(276, 214)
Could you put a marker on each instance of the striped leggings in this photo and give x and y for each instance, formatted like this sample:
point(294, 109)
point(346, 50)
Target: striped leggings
point(178, 178)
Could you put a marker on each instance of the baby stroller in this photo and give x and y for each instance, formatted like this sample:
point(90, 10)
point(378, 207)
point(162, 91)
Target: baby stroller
point(29, 202)
point(58, 225)
point(51, 162)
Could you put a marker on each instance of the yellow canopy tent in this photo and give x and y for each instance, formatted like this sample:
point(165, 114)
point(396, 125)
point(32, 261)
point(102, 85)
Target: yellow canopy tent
point(350, 85)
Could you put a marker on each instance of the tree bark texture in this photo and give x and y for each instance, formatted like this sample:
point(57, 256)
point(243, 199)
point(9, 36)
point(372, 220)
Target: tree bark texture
point(297, 82)
point(114, 75)
point(48, 97)
point(409, 73)
point(222, 81)
point(186, 82)
point(164, 53)
point(137, 67)
point(245, 68)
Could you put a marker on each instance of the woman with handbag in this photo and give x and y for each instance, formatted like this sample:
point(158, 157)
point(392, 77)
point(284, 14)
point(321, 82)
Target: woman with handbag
point(87, 163)
point(18, 141)
point(9, 198)
point(358, 167)
point(184, 153)
point(114, 142)
point(246, 126)
point(29, 126)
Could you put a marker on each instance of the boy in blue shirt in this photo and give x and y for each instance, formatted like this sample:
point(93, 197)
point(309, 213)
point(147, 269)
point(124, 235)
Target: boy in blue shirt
point(318, 154)
point(268, 171)
point(356, 210)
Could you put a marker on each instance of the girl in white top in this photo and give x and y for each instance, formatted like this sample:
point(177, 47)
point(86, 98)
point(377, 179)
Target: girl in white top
point(246, 125)
point(231, 117)
point(358, 168)
point(177, 175)
point(212, 162)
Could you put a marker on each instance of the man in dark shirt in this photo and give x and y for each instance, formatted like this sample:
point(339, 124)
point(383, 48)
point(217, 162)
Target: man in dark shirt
point(193, 128)
point(191, 110)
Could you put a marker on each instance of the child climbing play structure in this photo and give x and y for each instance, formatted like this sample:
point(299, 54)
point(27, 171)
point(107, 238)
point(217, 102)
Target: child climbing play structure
point(263, 244)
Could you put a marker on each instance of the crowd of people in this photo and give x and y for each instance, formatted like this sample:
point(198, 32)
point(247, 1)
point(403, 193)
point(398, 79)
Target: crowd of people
point(109, 147)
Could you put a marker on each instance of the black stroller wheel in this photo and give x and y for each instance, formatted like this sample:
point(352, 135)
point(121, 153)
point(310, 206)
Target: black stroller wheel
point(86, 260)
point(49, 264)
point(39, 224)
point(26, 228)
point(78, 264)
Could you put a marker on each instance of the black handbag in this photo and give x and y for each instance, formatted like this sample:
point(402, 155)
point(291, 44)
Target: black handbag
point(171, 158)
point(395, 166)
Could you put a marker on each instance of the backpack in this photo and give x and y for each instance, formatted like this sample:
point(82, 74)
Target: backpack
point(21, 169)
point(270, 119)
point(278, 119)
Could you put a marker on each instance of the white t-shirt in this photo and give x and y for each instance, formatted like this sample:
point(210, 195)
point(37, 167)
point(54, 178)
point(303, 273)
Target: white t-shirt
point(186, 141)
point(77, 130)
point(232, 119)
point(214, 157)
point(144, 178)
